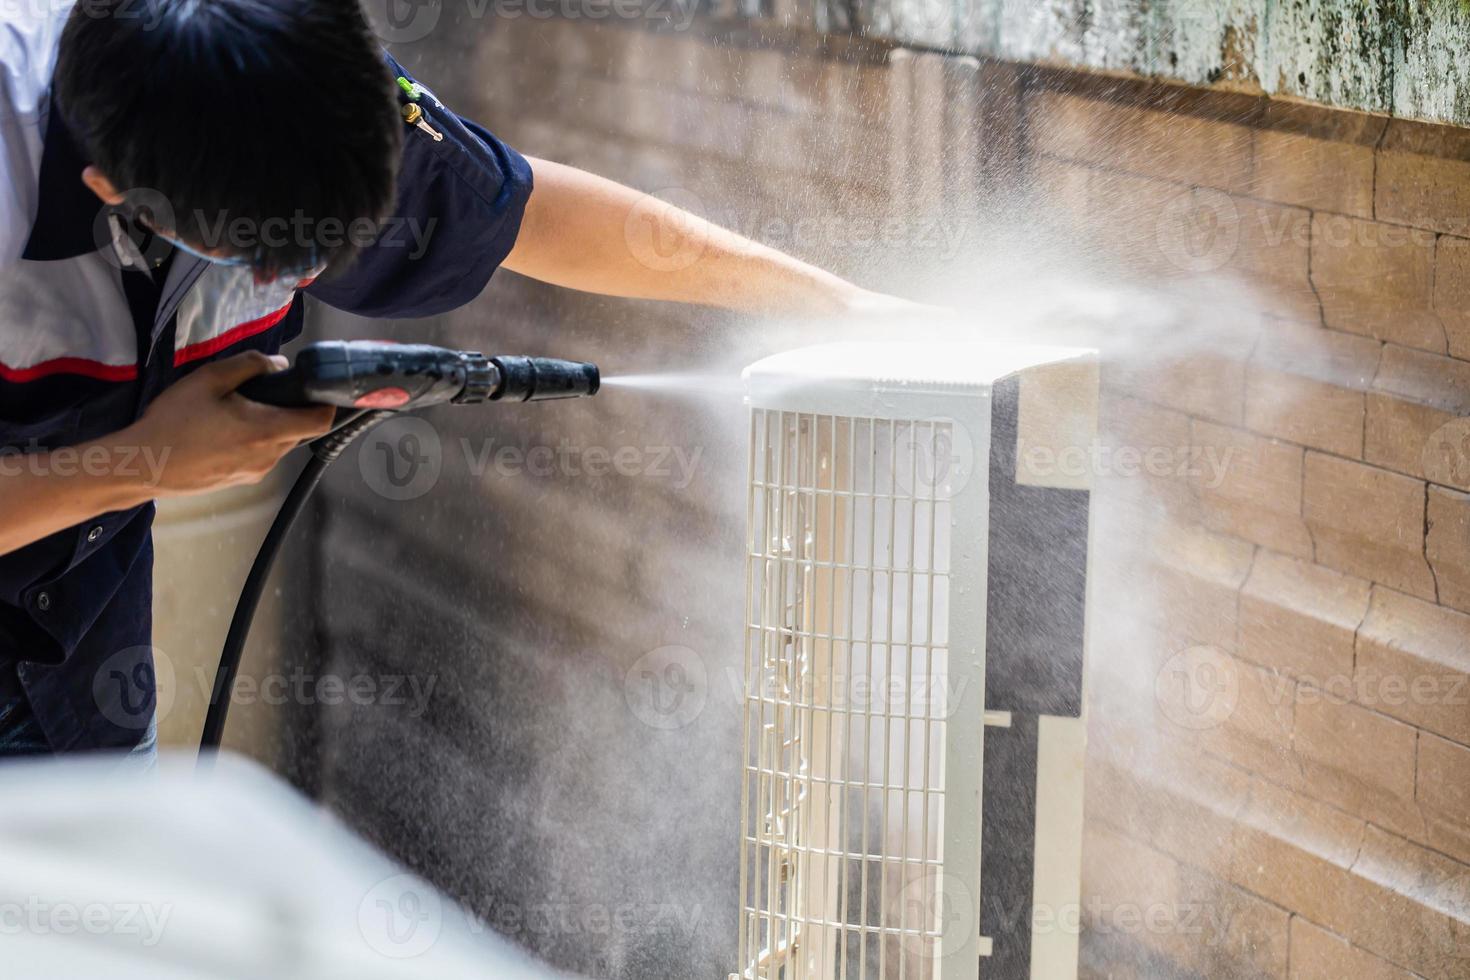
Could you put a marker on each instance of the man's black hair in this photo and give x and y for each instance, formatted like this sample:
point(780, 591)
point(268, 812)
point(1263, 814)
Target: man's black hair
point(270, 127)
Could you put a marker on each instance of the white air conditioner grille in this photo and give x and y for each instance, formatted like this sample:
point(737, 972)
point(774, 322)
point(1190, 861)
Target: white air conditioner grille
point(846, 697)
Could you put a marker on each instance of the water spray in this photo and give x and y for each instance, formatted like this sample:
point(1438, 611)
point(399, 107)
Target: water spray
point(368, 382)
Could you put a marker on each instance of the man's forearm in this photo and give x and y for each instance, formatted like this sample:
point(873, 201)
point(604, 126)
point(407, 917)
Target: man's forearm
point(42, 493)
point(587, 233)
point(198, 436)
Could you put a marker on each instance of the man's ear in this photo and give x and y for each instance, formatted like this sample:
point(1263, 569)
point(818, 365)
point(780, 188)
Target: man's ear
point(101, 186)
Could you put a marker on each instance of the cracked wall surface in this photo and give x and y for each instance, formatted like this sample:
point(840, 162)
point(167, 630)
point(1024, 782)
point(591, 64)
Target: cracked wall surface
point(1403, 57)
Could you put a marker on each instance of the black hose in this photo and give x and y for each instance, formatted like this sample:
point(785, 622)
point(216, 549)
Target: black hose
point(324, 452)
point(362, 370)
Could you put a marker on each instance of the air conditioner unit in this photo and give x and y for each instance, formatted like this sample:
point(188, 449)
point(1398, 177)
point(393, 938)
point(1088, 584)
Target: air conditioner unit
point(917, 569)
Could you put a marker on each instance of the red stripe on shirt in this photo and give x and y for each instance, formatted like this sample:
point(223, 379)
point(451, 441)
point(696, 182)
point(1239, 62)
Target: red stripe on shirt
point(69, 365)
point(234, 335)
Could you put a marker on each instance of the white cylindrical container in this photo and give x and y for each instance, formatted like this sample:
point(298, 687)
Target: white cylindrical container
point(203, 549)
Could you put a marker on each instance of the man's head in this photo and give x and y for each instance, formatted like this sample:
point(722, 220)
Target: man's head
point(270, 127)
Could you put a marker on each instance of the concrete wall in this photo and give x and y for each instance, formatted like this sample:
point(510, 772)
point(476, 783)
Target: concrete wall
point(1404, 57)
point(1297, 810)
point(1322, 572)
point(1398, 57)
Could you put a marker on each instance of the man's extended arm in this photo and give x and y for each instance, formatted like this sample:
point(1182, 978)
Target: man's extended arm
point(584, 232)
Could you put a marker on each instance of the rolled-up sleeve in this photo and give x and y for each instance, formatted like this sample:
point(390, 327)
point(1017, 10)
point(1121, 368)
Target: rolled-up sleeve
point(457, 214)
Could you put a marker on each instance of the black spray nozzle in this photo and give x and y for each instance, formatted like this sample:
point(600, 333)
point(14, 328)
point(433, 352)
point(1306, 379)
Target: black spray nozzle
point(370, 374)
point(535, 379)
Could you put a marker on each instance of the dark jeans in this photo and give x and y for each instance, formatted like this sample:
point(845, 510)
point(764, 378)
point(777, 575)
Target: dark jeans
point(20, 735)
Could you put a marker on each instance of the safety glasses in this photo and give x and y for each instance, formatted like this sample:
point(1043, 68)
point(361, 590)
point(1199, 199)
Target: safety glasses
point(308, 271)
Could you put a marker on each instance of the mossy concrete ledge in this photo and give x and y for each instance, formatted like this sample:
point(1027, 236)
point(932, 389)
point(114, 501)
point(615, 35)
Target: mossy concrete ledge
point(1406, 58)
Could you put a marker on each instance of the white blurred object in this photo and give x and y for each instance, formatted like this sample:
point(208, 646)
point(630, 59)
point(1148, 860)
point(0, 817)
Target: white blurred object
point(222, 872)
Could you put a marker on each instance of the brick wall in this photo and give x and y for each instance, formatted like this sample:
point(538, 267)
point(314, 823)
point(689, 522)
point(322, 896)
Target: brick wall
point(1279, 712)
point(1312, 598)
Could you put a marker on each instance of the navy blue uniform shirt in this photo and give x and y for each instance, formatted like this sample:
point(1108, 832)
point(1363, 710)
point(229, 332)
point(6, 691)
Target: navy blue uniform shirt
point(94, 329)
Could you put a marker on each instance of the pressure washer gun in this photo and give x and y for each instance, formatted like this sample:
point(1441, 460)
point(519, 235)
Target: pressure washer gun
point(369, 381)
point(380, 376)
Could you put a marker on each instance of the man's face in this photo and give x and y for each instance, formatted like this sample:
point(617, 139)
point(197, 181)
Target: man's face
point(106, 191)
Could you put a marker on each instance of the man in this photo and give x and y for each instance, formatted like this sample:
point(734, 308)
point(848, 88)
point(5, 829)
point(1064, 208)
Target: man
point(178, 174)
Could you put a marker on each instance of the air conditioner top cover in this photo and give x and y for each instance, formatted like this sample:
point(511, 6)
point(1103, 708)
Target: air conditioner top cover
point(875, 379)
